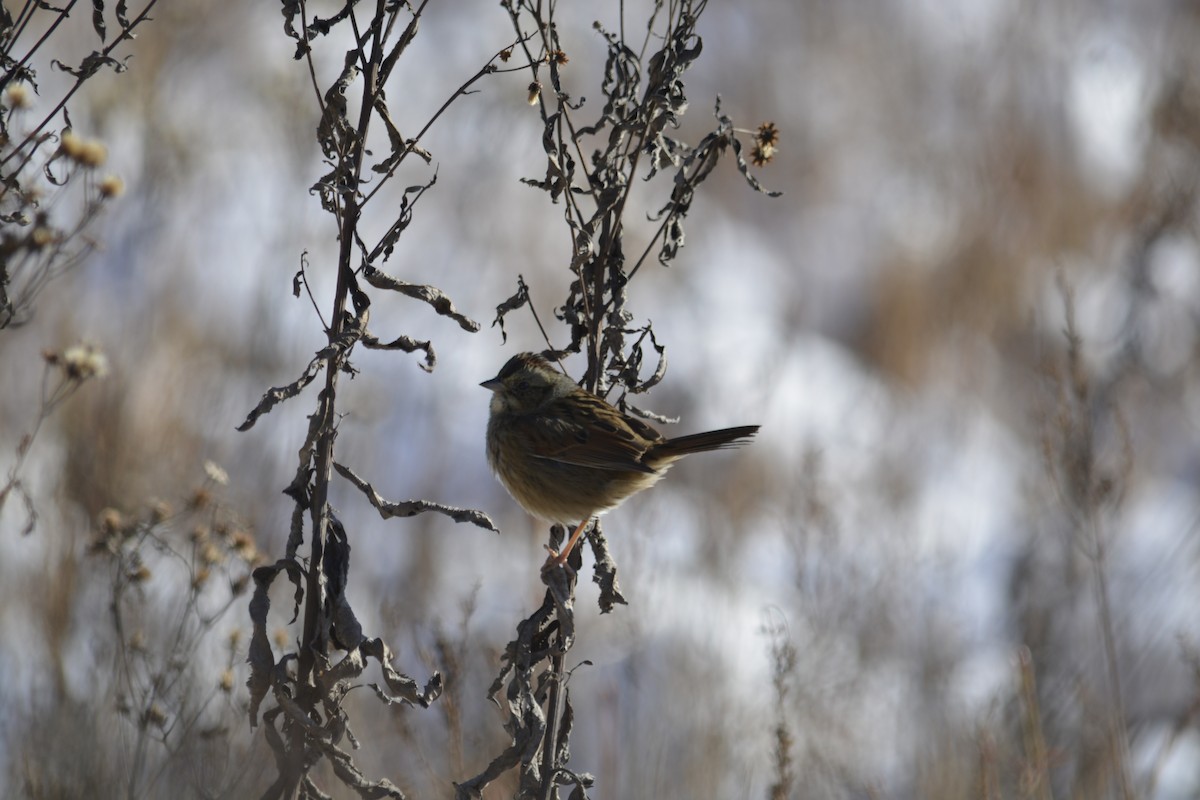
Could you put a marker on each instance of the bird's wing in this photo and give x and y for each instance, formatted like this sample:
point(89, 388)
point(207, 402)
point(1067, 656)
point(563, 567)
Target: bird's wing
point(584, 431)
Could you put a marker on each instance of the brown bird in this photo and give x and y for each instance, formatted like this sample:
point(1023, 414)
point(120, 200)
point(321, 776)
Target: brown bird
point(567, 455)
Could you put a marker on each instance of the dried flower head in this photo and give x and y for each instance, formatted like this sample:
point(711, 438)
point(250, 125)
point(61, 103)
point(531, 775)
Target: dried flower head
point(159, 511)
point(766, 142)
point(200, 498)
point(111, 186)
point(18, 96)
point(210, 555)
point(768, 134)
point(506, 54)
point(111, 521)
point(200, 578)
point(70, 144)
point(83, 361)
point(559, 57)
point(78, 362)
point(40, 237)
point(89, 153)
point(93, 154)
point(155, 716)
point(216, 474)
point(243, 545)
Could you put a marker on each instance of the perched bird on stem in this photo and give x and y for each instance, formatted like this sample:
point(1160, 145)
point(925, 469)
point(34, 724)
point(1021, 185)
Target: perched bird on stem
point(568, 456)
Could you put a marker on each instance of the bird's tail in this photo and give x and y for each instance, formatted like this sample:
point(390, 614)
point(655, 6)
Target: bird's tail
point(709, 440)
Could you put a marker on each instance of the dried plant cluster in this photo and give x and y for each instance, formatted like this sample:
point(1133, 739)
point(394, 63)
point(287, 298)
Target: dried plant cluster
point(631, 139)
point(41, 162)
point(644, 99)
point(166, 650)
point(44, 168)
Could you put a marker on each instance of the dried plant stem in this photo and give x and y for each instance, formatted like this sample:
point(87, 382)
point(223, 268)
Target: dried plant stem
point(1037, 777)
point(314, 643)
point(1119, 739)
point(554, 719)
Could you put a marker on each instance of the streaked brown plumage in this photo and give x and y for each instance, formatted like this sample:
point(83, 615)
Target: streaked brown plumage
point(567, 455)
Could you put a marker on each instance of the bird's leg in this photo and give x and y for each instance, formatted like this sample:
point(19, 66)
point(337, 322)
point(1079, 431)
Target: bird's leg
point(561, 558)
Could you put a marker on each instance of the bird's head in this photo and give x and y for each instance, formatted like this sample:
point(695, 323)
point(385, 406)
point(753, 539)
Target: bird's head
point(525, 384)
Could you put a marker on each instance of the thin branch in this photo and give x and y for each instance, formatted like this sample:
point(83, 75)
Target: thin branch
point(411, 508)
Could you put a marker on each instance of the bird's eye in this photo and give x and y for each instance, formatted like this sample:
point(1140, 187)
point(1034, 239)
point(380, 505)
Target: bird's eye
point(523, 386)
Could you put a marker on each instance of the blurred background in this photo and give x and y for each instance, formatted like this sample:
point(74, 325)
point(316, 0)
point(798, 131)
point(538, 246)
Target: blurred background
point(959, 560)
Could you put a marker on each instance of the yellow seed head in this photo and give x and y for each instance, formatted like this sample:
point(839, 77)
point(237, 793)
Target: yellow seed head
point(40, 237)
point(111, 187)
point(71, 145)
point(18, 96)
point(93, 154)
point(83, 361)
point(111, 521)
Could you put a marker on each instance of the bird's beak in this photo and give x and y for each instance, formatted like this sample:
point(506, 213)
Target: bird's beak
point(495, 384)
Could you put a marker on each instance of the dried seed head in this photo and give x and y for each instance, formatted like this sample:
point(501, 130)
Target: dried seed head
point(155, 716)
point(18, 96)
point(83, 361)
point(159, 511)
point(766, 143)
point(215, 473)
point(200, 498)
point(111, 521)
point(40, 237)
point(93, 154)
point(243, 545)
point(111, 186)
point(201, 578)
point(768, 134)
point(71, 145)
point(211, 555)
point(535, 92)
